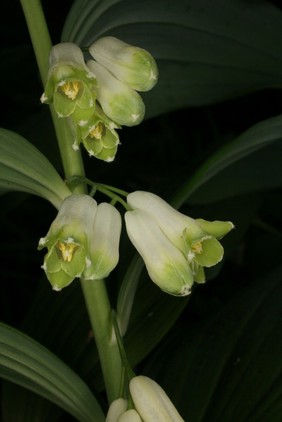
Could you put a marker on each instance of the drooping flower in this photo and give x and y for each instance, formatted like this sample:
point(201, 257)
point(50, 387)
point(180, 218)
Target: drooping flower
point(70, 86)
point(132, 65)
point(98, 136)
point(154, 226)
point(166, 265)
point(119, 102)
point(82, 241)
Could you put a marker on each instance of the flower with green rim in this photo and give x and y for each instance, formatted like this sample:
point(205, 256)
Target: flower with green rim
point(196, 240)
point(98, 136)
point(71, 86)
point(82, 241)
point(119, 102)
point(132, 65)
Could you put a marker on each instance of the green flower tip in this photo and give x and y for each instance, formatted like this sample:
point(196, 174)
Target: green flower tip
point(217, 229)
point(132, 65)
point(82, 241)
point(175, 248)
point(119, 102)
point(121, 70)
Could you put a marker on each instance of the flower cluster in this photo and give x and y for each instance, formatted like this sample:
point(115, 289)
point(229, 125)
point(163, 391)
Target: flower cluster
point(101, 95)
point(151, 403)
point(83, 241)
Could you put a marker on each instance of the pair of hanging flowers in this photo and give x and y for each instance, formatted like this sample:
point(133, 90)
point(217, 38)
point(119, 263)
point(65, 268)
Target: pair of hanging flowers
point(100, 95)
point(83, 241)
point(149, 403)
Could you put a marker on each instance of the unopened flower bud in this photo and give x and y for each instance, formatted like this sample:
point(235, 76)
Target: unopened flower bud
point(151, 401)
point(130, 415)
point(117, 408)
point(120, 103)
point(132, 65)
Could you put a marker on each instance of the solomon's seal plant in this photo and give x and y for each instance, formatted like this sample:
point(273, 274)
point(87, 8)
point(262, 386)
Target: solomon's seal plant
point(95, 90)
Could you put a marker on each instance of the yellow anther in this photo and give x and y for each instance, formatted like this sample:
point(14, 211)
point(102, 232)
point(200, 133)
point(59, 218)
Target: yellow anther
point(97, 131)
point(197, 248)
point(71, 88)
point(67, 250)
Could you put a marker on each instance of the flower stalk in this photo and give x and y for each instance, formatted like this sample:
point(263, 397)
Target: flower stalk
point(100, 315)
point(95, 293)
point(41, 42)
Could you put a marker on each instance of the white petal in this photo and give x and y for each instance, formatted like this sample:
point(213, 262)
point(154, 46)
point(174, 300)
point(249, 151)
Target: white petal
point(104, 242)
point(117, 408)
point(66, 53)
point(76, 216)
point(171, 221)
point(119, 102)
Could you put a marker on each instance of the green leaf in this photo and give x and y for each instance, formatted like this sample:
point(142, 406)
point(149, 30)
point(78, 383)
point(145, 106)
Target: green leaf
point(127, 292)
point(228, 366)
point(35, 408)
point(199, 186)
point(153, 315)
point(24, 168)
point(257, 172)
point(206, 51)
point(61, 325)
point(29, 364)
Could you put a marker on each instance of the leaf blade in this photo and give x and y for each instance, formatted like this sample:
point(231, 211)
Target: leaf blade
point(255, 138)
point(29, 364)
point(206, 52)
point(23, 167)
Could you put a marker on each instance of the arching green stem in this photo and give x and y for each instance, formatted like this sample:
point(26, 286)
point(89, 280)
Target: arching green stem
point(95, 293)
